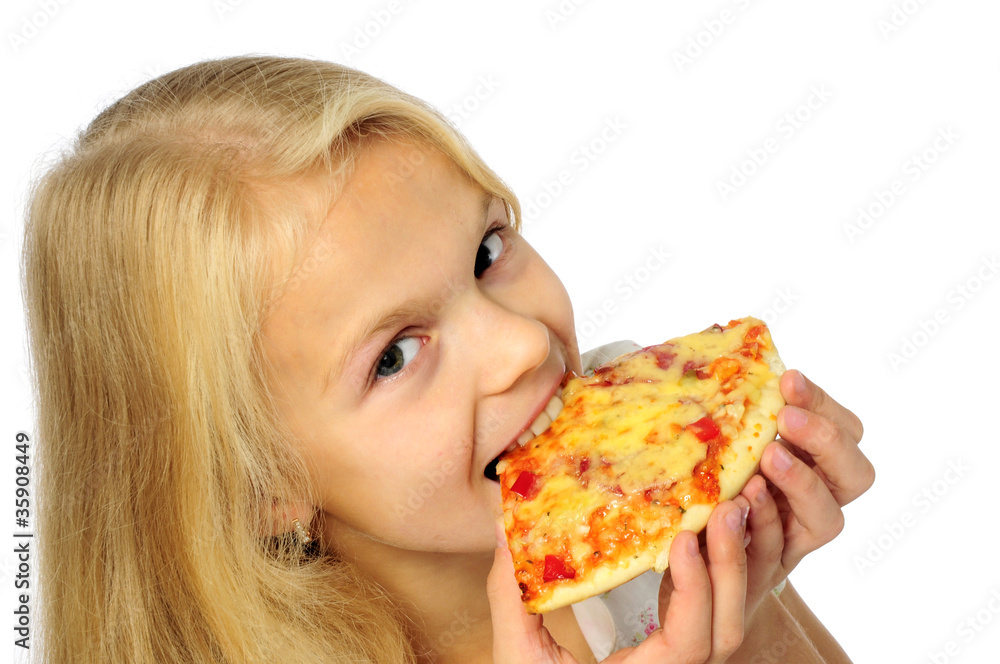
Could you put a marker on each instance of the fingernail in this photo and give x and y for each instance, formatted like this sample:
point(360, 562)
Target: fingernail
point(746, 540)
point(501, 536)
point(693, 547)
point(761, 494)
point(743, 515)
point(794, 418)
point(782, 459)
point(798, 383)
point(733, 520)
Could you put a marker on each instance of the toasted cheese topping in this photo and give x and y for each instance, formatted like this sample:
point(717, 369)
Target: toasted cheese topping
point(636, 445)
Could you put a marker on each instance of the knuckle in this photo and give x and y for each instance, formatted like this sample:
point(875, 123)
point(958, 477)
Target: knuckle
point(728, 642)
point(493, 586)
point(690, 651)
point(740, 563)
point(859, 483)
point(817, 398)
point(826, 434)
point(858, 426)
point(763, 519)
point(737, 566)
point(867, 476)
point(834, 527)
point(697, 653)
point(775, 555)
point(809, 481)
point(772, 554)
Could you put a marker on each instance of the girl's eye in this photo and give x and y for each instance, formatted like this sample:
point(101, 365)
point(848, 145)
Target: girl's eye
point(489, 251)
point(396, 356)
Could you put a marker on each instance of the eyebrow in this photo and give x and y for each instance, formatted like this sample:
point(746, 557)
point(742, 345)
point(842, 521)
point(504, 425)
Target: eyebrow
point(392, 317)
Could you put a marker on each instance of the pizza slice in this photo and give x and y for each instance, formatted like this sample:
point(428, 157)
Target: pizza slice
point(643, 448)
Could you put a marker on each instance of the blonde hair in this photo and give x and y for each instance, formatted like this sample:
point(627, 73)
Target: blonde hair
point(149, 264)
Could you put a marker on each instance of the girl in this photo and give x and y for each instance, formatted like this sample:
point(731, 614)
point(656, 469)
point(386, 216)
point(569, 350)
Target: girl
point(281, 322)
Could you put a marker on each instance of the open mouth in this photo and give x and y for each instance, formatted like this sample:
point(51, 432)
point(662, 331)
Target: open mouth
point(538, 425)
point(491, 468)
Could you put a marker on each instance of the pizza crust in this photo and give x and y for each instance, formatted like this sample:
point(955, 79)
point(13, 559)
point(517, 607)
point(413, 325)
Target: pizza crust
point(602, 580)
point(742, 459)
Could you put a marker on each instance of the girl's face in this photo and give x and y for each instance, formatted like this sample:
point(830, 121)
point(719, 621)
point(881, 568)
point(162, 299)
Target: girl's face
point(419, 338)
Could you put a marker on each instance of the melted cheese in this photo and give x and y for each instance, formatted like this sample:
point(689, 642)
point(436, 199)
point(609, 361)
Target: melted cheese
point(622, 462)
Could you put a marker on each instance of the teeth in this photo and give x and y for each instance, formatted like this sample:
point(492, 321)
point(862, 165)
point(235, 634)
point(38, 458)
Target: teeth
point(541, 423)
point(554, 407)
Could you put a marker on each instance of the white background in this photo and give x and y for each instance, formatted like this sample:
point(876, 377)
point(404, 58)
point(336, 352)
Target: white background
point(917, 560)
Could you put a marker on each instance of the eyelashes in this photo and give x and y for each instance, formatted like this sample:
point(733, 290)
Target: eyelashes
point(390, 363)
point(494, 244)
point(402, 350)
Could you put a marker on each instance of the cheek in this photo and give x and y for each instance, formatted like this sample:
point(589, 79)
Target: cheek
point(553, 305)
point(560, 304)
point(369, 467)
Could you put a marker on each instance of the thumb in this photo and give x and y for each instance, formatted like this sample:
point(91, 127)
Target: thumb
point(517, 636)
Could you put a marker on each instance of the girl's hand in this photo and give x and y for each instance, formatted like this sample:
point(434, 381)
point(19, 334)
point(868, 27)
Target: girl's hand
point(816, 468)
point(701, 615)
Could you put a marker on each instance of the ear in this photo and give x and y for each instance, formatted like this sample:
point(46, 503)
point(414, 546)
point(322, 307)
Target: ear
point(285, 512)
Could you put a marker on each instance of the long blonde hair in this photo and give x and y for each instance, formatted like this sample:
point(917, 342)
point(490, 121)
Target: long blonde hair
point(149, 262)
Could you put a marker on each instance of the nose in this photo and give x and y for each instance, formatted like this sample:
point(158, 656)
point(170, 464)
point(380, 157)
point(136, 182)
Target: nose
point(507, 343)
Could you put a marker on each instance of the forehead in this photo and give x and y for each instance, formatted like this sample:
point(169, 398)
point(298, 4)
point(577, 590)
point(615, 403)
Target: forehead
point(401, 226)
point(397, 186)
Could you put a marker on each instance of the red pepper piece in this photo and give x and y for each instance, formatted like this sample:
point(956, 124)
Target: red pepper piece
point(555, 568)
point(705, 428)
point(526, 485)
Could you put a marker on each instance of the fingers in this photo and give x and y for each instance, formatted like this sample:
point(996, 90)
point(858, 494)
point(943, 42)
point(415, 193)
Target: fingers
point(828, 433)
point(517, 636)
point(704, 619)
point(727, 569)
point(816, 515)
point(847, 470)
point(686, 634)
point(767, 541)
point(801, 392)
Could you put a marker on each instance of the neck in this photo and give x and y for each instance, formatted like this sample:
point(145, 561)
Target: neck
point(443, 594)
